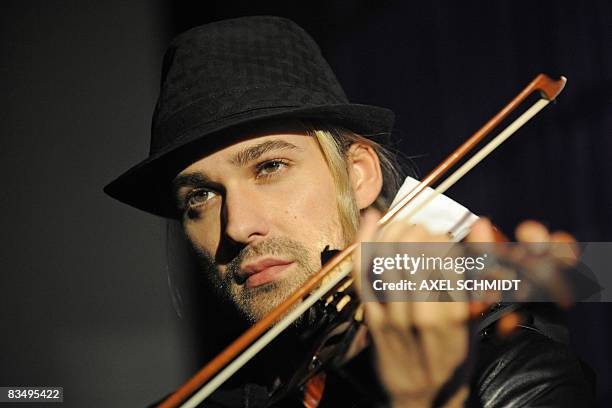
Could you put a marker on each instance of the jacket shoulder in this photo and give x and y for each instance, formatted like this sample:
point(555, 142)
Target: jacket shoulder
point(530, 369)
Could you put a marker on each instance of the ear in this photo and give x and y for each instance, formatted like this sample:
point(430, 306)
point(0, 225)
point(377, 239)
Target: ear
point(365, 174)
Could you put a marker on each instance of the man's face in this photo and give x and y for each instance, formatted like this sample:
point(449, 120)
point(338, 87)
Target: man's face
point(258, 214)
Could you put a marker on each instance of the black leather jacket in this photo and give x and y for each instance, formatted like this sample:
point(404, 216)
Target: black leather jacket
point(532, 368)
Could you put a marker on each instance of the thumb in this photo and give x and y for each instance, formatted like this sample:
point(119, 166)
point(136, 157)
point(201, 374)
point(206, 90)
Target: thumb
point(368, 224)
point(367, 229)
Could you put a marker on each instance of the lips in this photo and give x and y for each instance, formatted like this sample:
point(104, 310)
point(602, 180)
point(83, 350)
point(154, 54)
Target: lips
point(264, 271)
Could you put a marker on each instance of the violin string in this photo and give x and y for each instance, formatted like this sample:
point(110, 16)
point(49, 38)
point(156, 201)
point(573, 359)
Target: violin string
point(292, 316)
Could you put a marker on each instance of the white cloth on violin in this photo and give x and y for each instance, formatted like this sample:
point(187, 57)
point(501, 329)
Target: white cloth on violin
point(442, 215)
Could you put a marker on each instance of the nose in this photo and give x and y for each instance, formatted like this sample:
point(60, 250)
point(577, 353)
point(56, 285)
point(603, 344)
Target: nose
point(244, 215)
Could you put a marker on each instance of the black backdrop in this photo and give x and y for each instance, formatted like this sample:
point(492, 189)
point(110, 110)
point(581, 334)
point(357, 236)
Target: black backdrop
point(83, 297)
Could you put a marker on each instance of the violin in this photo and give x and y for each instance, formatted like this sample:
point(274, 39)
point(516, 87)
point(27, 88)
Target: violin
point(331, 289)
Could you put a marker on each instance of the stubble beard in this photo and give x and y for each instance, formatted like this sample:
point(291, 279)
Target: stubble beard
point(255, 302)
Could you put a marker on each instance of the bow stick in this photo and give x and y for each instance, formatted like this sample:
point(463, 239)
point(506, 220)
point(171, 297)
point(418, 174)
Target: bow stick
point(258, 336)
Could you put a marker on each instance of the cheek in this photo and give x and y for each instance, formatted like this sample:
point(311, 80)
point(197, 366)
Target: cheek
point(205, 231)
point(322, 203)
point(312, 211)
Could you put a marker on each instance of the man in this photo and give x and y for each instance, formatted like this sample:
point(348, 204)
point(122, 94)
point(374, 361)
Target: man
point(258, 153)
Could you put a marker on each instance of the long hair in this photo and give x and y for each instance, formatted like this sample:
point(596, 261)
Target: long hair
point(335, 142)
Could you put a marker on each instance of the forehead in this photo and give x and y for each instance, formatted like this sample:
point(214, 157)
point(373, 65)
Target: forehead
point(246, 150)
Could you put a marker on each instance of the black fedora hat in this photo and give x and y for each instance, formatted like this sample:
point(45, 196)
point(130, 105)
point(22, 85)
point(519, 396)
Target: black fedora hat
point(218, 79)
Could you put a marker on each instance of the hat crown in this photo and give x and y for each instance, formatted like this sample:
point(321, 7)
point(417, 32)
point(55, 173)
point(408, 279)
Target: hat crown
point(235, 66)
point(221, 78)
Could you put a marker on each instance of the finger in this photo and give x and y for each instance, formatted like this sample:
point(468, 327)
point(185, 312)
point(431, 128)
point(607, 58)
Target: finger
point(565, 254)
point(361, 278)
point(566, 249)
point(562, 237)
point(543, 280)
point(396, 350)
point(481, 231)
point(367, 229)
point(400, 231)
point(375, 316)
point(356, 272)
point(444, 348)
point(442, 326)
point(481, 236)
point(545, 272)
point(399, 314)
point(531, 231)
point(368, 224)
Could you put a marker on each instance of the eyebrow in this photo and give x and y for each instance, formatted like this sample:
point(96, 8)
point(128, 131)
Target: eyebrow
point(189, 180)
point(247, 155)
point(241, 158)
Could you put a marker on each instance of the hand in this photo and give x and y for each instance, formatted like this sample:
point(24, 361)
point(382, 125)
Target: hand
point(418, 344)
point(541, 267)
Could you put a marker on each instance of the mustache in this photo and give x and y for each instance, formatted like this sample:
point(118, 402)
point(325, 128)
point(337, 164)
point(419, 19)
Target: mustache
point(248, 301)
point(276, 246)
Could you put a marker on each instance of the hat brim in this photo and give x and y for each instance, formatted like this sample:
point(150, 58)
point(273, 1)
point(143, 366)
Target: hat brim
point(147, 185)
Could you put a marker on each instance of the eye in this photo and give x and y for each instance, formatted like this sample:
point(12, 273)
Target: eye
point(198, 197)
point(271, 167)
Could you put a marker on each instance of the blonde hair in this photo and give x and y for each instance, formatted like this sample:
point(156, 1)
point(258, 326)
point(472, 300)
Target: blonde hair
point(334, 142)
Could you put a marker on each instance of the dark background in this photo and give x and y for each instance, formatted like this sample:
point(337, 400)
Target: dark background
point(84, 302)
